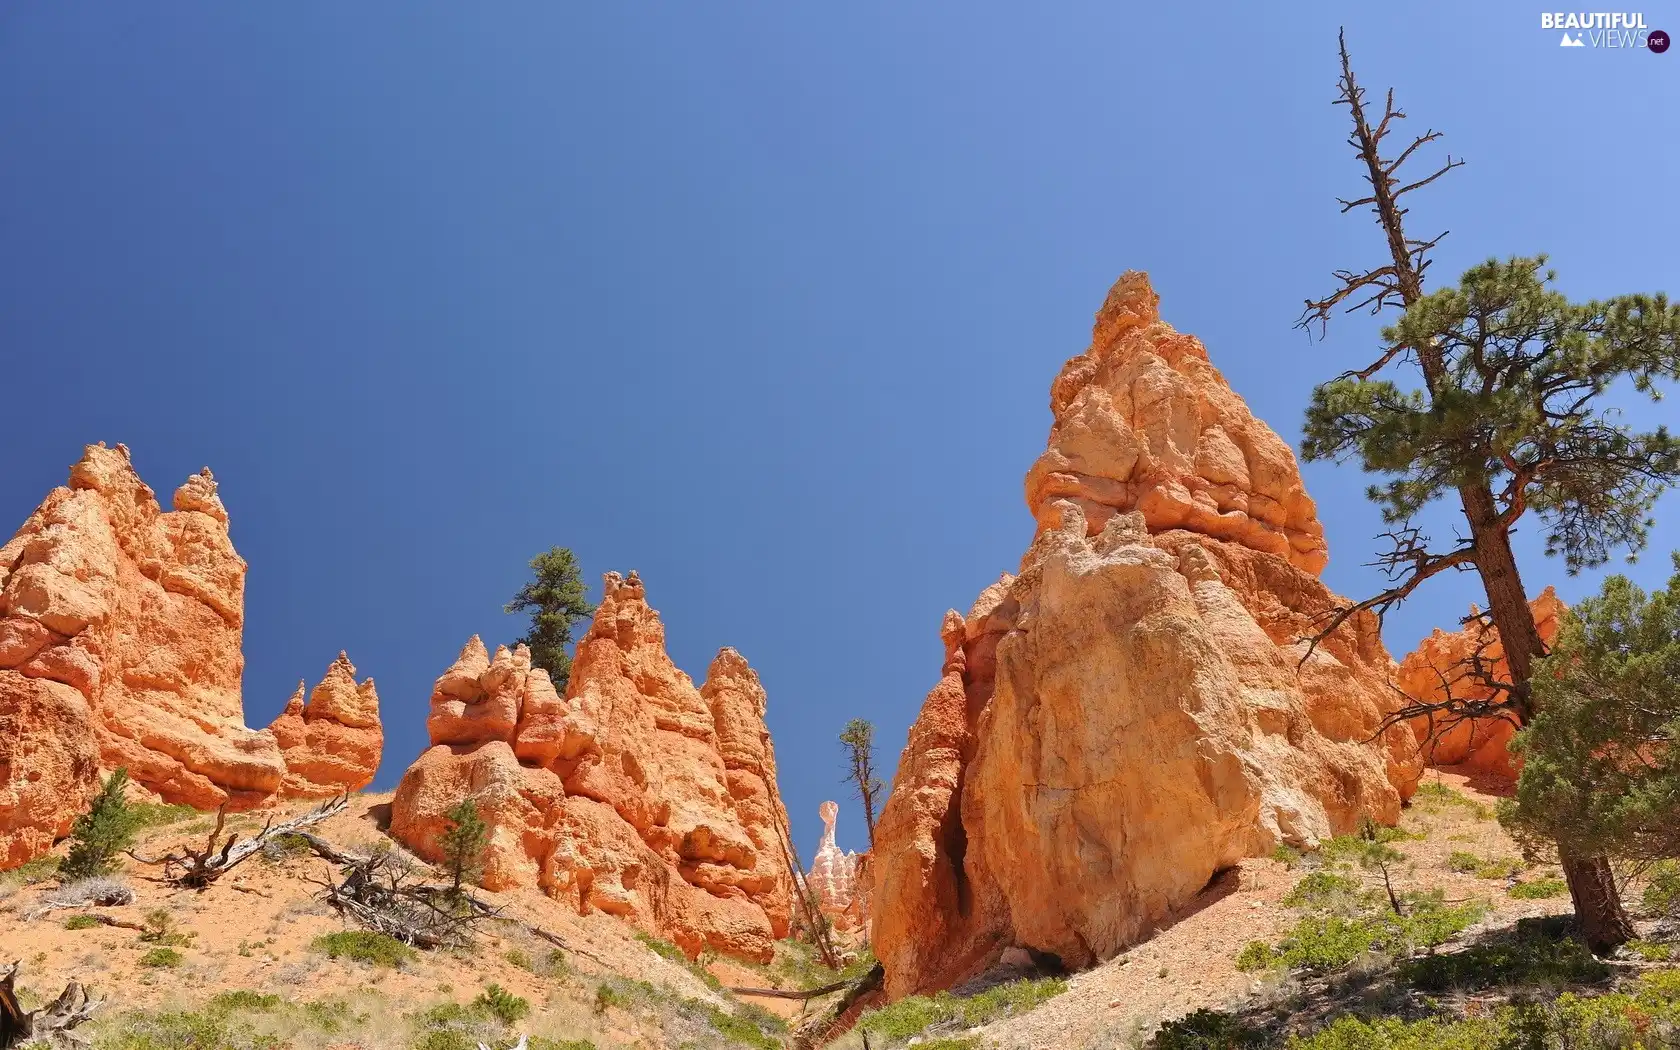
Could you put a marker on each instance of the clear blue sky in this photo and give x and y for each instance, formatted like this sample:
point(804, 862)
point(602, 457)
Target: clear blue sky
point(761, 300)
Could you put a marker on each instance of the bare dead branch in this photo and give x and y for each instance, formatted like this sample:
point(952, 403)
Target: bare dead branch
point(199, 869)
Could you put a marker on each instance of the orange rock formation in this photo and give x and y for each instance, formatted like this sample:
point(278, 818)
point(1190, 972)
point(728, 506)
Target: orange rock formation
point(120, 625)
point(332, 742)
point(1131, 712)
point(636, 794)
point(1442, 664)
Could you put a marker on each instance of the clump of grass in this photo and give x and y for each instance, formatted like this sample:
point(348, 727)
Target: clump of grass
point(244, 1001)
point(1435, 796)
point(1651, 951)
point(538, 1042)
point(81, 922)
point(912, 1015)
point(30, 873)
point(161, 928)
point(158, 815)
point(671, 953)
point(366, 946)
point(162, 958)
point(1538, 889)
point(519, 958)
point(180, 1030)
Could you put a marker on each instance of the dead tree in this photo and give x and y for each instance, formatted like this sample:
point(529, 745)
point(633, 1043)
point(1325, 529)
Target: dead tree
point(385, 894)
point(200, 868)
point(51, 1024)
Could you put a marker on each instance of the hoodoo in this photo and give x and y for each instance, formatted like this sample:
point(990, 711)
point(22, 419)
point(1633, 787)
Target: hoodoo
point(120, 635)
point(636, 794)
point(1135, 709)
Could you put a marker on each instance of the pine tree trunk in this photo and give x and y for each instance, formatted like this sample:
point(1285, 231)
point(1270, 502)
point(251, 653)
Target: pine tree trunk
point(1603, 923)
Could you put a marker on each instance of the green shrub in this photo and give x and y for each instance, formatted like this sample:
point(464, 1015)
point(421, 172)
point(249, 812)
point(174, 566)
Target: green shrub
point(1256, 955)
point(242, 1001)
point(741, 1030)
point(662, 948)
point(1463, 862)
point(161, 928)
point(31, 872)
point(82, 922)
point(203, 1030)
point(956, 1042)
point(516, 957)
point(501, 1004)
point(1539, 953)
point(538, 1042)
point(1320, 890)
point(162, 958)
point(1322, 943)
point(912, 1015)
point(1433, 795)
point(365, 946)
point(1651, 951)
point(1207, 1030)
point(1538, 889)
point(1287, 855)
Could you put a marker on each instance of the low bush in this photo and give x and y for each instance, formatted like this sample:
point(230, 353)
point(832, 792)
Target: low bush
point(1321, 943)
point(162, 958)
point(1662, 889)
point(1539, 953)
point(1207, 1030)
point(1538, 889)
point(912, 1015)
point(366, 946)
point(496, 1001)
point(82, 922)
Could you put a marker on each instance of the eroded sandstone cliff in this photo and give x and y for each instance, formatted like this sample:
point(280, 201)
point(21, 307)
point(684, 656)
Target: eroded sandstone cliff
point(636, 794)
point(120, 628)
point(1456, 665)
point(1132, 711)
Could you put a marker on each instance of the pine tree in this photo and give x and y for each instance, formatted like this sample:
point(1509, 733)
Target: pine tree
point(1601, 772)
point(463, 842)
point(1503, 411)
point(859, 740)
point(556, 600)
point(104, 831)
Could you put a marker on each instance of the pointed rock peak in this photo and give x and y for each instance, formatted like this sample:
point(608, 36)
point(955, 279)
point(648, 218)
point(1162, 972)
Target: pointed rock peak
point(729, 663)
point(460, 679)
point(340, 699)
point(294, 706)
point(110, 471)
point(198, 493)
point(1131, 303)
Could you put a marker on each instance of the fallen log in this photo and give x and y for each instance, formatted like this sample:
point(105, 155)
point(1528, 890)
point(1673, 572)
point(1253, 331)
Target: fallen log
point(782, 993)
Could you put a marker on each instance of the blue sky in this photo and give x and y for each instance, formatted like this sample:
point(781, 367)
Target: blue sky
point(762, 300)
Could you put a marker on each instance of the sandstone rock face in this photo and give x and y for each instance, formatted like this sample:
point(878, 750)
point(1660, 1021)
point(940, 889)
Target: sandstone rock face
point(138, 612)
point(636, 794)
point(1131, 712)
point(1442, 664)
point(1144, 422)
point(331, 742)
point(834, 877)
